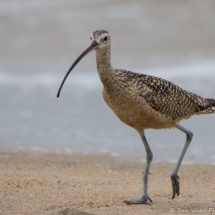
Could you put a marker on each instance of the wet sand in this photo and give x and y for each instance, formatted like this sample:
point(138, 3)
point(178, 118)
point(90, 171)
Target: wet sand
point(39, 183)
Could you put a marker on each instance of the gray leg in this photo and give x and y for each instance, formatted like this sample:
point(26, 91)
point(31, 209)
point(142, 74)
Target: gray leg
point(174, 176)
point(149, 156)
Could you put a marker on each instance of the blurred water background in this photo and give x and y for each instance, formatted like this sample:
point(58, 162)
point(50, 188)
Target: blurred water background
point(40, 39)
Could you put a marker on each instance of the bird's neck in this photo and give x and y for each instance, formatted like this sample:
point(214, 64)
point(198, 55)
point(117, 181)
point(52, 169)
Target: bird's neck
point(105, 70)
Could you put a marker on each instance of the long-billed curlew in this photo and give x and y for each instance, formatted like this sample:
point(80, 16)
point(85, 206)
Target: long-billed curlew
point(144, 102)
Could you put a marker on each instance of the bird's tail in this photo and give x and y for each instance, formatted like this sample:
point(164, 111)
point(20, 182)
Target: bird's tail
point(209, 109)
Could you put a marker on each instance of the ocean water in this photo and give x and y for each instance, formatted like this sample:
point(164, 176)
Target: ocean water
point(33, 119)
point(173, 40)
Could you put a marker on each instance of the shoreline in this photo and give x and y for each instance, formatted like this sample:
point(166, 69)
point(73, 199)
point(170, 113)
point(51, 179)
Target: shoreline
point(47, 183)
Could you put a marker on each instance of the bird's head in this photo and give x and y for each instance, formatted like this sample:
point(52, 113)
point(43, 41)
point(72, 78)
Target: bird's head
point(100, 42)
point(102, 38)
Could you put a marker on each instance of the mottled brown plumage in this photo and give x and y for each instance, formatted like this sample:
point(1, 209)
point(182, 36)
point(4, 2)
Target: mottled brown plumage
point(162, 98)
point(143, 102)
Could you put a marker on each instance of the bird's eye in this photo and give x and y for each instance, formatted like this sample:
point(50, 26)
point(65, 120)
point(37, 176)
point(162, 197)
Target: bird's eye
point(91, 38)
point(105, 38)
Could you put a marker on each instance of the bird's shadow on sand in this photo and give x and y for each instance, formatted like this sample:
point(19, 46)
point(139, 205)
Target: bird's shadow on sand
point(73, 212)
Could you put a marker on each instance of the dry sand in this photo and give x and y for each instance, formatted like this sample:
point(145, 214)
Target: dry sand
point(38, 183)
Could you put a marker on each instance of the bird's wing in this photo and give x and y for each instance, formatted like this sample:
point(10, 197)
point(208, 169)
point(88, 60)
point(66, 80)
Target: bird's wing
point(169, 99)
point(164, 96)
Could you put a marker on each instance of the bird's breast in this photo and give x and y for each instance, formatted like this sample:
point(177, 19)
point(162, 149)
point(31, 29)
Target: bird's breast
point(134, 111)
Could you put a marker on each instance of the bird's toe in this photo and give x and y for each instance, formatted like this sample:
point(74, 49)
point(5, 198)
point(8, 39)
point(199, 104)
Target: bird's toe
point(143, 200)
point(175, 185)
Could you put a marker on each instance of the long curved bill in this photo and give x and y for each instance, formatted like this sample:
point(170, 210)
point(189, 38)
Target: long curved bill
point(92, 47)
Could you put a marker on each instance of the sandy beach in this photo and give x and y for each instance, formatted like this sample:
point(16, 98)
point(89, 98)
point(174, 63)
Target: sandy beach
point(39, 183)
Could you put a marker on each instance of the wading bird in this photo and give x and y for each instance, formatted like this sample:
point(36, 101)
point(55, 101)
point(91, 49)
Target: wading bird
point(144, 102)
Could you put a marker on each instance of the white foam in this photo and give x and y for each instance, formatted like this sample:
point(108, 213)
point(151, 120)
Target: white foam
point(36, 148)
point(115, 154)
point(105, 151)
point(68, 150)
point(194, 70)
point(90, 80)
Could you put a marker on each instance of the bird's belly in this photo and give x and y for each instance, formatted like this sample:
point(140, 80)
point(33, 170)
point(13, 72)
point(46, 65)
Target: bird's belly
point(138, 114)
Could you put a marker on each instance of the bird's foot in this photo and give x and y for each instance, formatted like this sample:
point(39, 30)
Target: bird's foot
point(175, 185)
point(143, 200)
